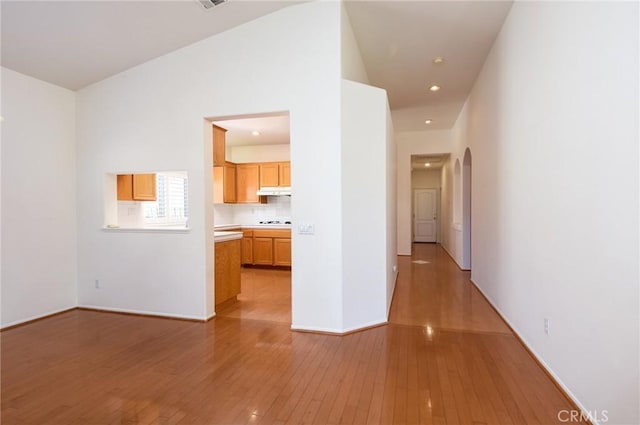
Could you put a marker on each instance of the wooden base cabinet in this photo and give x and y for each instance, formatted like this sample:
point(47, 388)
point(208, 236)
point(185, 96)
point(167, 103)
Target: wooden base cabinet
point(263, 251)
point(247, 247)
point(266, 247)
point(282, 252)
point(227, 270)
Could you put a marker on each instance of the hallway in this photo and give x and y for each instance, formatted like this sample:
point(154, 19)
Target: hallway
point(432, 291)
point(444, 358)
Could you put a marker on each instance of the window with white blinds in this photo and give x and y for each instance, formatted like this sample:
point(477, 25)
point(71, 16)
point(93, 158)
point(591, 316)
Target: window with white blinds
point(171, 206)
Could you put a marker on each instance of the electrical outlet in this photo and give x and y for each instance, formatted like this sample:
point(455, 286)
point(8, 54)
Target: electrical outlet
point(546, 325)
point(97, 283)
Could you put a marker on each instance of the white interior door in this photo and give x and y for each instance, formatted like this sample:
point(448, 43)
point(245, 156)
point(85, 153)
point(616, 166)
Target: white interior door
point(425, 219)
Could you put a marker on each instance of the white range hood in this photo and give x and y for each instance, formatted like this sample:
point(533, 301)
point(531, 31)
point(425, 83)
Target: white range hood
point(275, 191)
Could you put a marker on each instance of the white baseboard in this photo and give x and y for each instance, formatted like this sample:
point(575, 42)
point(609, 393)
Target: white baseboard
point(539, 359)
point(316, 329)
point(395, 282)
point(453, 258)
point(144, 313)
point(40, 316)
point(363, 326)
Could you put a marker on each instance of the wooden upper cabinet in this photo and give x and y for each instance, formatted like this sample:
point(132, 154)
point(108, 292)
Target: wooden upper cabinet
point(269, 174)
point(284, 173)
point(248, 183)
point(274, 174)
point(219, 146)
point(224, 184)
point(137, 187)
point(144, 187)
point(247, 248)
point(125, 187)
point(218, 185)
point(229, 183)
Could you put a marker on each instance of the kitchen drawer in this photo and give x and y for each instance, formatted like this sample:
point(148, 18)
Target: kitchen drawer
point(271, 233)
point(247, 233)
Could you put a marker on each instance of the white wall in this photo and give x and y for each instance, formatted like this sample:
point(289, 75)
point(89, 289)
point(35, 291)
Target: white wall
point(38, 198)
point(413, 143)
point(446, 207)
point(297, 52)
point(552, 123)
point(368, 170)
point(391, 179)
point(352, 64)
point(367, 271)
point(425, 179)
point(259, 153)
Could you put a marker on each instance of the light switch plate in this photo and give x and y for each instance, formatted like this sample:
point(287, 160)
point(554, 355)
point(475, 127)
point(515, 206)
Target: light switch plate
point(306, 229)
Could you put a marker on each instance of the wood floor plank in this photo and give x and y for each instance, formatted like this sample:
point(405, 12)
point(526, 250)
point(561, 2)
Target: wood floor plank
point(444, 358)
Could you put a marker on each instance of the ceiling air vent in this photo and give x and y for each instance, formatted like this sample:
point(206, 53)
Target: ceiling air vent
point(208, 4)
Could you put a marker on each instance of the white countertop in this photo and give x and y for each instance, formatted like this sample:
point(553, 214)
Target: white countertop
point(250, 226)
point(227, 226)
point(266, 226)
point(226, 236)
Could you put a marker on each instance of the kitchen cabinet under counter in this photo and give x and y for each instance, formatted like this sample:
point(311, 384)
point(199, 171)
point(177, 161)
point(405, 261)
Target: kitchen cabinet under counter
point(267, 246)
point(227, 265)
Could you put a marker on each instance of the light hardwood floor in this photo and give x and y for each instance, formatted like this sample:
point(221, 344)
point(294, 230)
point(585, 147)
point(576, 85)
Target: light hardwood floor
point(265, 294)
point(445, 358)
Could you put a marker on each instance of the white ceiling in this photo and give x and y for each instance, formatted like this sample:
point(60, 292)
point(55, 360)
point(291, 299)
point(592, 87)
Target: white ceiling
point(435, 162)
point(274, 130)
point(399, 39)
point(76, 43)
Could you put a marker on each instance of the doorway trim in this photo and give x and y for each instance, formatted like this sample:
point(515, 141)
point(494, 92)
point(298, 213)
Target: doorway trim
point(466, 210)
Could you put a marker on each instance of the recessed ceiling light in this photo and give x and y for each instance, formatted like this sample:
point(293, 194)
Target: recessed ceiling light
point(438, 60)
point(428, 122)
point(427, 164)
point(434, 88)
point(255, 132)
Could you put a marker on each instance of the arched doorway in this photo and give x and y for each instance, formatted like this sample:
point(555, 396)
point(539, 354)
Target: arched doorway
point(466, 210)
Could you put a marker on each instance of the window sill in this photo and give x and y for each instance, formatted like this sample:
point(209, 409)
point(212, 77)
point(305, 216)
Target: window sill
point(149, 229)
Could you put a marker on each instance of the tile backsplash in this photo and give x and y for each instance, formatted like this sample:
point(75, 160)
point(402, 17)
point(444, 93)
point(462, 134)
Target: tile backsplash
point(276, 208)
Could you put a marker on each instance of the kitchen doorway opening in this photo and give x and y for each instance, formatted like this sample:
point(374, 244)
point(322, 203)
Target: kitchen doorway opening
point(251, 197)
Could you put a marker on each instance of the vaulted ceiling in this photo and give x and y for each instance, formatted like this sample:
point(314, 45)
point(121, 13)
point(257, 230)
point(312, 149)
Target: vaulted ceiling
point(76, 43)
